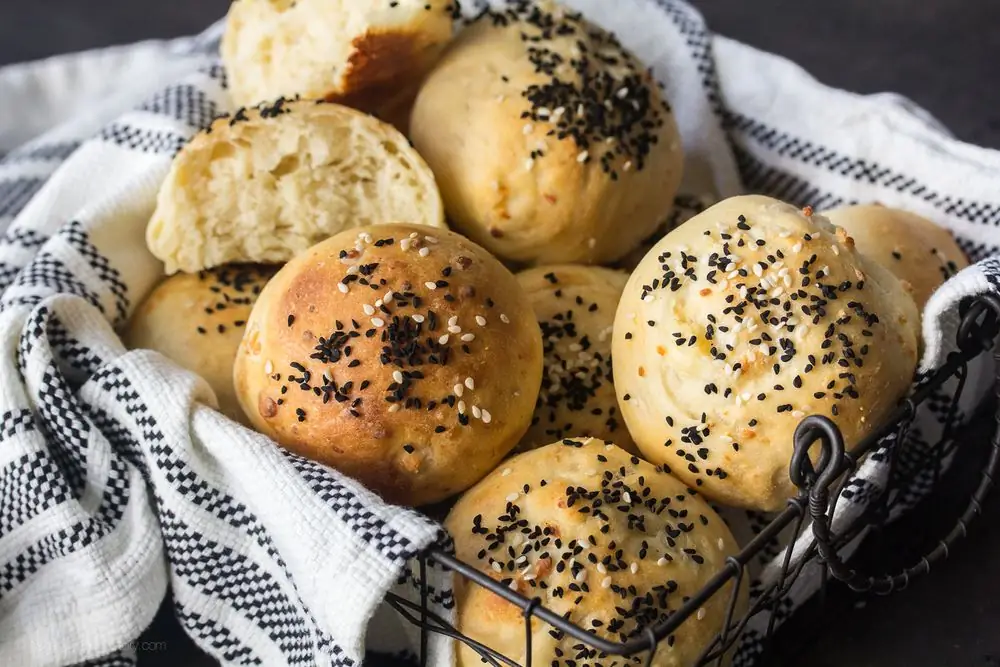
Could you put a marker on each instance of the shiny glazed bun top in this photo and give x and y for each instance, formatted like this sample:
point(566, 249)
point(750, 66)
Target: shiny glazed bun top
point(600, 536)
point(549, 140)
point(406, 357)
point(741, 322)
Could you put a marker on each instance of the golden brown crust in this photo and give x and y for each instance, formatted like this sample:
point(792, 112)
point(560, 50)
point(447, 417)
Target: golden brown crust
point(406, 357)
point(596, 534)
point(575, 306)
point(359, 55)
point(537, 164)
point(917, 251)
point(741, 322)
point(197, 321)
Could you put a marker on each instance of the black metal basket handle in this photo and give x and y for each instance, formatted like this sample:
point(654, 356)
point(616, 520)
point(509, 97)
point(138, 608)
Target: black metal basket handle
point(976, 334)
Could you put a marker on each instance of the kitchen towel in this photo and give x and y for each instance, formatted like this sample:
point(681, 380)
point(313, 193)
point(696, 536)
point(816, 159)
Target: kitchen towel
point(118, 480)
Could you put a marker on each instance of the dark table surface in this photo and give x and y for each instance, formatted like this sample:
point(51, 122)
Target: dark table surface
point(941, 53)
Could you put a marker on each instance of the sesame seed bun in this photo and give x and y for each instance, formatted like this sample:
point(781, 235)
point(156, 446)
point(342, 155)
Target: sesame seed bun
point(916, 250)
point(543, 155)
point(268, 183)
point(575, 306)
point(598, 535)
point(407, 359)
point(360, 54)
point(742, 321)
point(197, 321)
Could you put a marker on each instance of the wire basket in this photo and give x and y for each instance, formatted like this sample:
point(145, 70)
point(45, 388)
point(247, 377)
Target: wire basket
point(821, 485)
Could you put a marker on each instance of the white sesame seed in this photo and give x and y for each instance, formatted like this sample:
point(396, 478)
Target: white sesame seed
point(505, 472)
point(529, 128)
point(622, 93)
point(342, 287)
point(268, 367)
point(443, 340)
point(405, 244)
point(433, 240)
point(423, 252)
point(378, 322)
point(581, 576)
point(414, 235)
point(836, 250)
point(558, 112)
point(634, 568)
point(661, 561)
point(470, 383)
point(419, 319)
point(497, 567)
point(458, 390)
point(627, 166)
point(461, 407)
point(627, 497)
point(430, 285)
point(701, 613)
point(722, 544)
point(529, 164)
point(504, 319)
point(528, 576)
point(543, 112)
point(798, 414)
point(797, 247)
point(512, 585)
point(476, 412)
point(480, 320)
point(580, 110)
point(601, 568)
point(582, 157)
point(501, 98)
point(468, 338)
point(757, 271)
point(606, 582)
point(487, 417)
point(397, 376)
point(521, 559)
point(454, 330)
point(394, 407)
point(369, 310)
point(512, 497)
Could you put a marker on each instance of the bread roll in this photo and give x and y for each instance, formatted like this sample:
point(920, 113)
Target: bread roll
point(742, 321)
point(916, 250)
point(597, 535)
point(407, 360)
point(268, 183)
point(550, 142)
point(575, 306)
point(356, 53)
point(197, 321)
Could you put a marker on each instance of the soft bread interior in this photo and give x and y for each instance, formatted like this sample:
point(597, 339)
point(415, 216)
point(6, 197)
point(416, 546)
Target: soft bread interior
point(274, 188)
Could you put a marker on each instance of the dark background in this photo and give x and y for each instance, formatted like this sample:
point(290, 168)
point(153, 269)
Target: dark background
point(944, 55)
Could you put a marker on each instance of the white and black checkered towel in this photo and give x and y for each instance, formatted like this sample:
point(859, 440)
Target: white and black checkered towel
point(118, 482)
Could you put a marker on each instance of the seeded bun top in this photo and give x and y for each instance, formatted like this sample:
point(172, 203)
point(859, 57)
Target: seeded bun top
point(576, 308)
point(406, 357)
point(741, 322)
point(197, 321)
point(598, 535)
point(549, 140)
point(916, 250)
